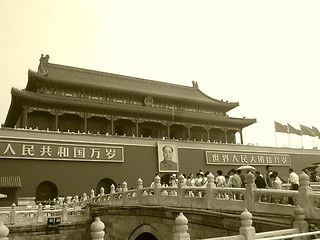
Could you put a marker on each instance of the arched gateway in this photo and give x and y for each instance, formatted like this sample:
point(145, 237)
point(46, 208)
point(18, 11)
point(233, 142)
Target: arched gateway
point(105, 183)
point(46, 191)
point(146, 232)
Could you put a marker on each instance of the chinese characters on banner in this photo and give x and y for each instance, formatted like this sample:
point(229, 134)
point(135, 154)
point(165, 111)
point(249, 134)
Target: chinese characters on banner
point(60, 151)
point(243, 158)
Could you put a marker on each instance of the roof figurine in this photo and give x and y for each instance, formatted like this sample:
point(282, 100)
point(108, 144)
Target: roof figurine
point(44, 60)
point(195, 85)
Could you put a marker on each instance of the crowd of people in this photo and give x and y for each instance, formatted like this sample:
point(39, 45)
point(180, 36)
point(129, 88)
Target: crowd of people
point(235, 179)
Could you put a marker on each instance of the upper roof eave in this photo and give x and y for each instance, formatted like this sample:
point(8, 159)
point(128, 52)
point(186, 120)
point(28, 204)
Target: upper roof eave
point(78, 76)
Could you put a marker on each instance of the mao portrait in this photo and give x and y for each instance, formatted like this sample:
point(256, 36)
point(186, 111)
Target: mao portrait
point(168, 157)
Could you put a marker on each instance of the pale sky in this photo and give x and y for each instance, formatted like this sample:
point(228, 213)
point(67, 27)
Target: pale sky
point(263, 54)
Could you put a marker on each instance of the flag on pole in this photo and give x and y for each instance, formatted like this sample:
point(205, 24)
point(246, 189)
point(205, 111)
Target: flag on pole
point(307, 131)
point(293, 130)
point(280, 127)
point(316, 131)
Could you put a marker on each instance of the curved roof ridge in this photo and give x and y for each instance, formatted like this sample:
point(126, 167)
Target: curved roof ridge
point(139, 79)
point(227, 102)
point(94, 78)
point(117, 75)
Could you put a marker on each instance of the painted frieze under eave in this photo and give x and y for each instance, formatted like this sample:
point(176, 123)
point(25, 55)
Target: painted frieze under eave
point(22, 98)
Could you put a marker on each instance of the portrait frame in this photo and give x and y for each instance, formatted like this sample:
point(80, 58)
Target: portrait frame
point(175, 158)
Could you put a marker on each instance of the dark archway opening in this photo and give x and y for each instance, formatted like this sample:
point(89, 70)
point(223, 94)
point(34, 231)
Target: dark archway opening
point(105, 183)
point(45, 192)
point(146, 236)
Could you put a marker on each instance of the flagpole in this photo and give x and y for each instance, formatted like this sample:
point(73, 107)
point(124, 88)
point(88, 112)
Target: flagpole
point(301, 136)
point(288, 134)
point(275, 133)
point(313, 142)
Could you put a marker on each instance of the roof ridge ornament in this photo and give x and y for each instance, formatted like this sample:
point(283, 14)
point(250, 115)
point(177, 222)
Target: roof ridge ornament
point(43, 63)
point(195, 84)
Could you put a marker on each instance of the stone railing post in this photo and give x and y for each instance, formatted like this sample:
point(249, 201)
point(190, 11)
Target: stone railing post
point(112, 192)
point(68, 200)
point(210, 190)
point(181, 184)
point(246, 228)
point(84, 200)
point(4, 231)
point(13, 214)
point(101, 195)
point(139, 190)
point(124, 192)
point(299, 221)
point(304, 192)
point(157, 189)
point(92, 196)
point(97, 229)
point(181, 228)
point(76, 198)
point(64, 213)
point(39, 214)
point(249, 193)
point(84, 197)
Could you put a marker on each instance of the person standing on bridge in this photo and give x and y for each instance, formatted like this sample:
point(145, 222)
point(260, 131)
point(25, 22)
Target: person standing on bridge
point(267, 176)
point(259, 181)
point(220, 179)
point(293, 179)
point(277, 183)
point(235, 180)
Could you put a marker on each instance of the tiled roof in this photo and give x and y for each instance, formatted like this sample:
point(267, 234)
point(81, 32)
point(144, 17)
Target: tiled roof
point(61, 74)
point(10, 181)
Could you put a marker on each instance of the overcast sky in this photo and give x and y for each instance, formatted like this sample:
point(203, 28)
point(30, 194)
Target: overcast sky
point(263, 54)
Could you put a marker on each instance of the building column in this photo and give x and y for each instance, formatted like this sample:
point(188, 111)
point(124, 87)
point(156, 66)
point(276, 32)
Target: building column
point(137, 121)
point(137, 128)
point(112, 118)
point(188, 126)
point(25, 116)
point(112, 125)
point(168, 130)
point(225, 130)
point(85, 120)
point(241, 136)
point(56, 120)
point(208, 132)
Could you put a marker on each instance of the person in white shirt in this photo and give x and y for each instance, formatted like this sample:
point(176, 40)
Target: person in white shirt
point(293, 179)
point(277, 183)
point(198, 181)
point(220, 179)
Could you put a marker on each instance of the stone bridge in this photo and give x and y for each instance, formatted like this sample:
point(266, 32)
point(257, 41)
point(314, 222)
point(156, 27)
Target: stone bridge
point(151, 212)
